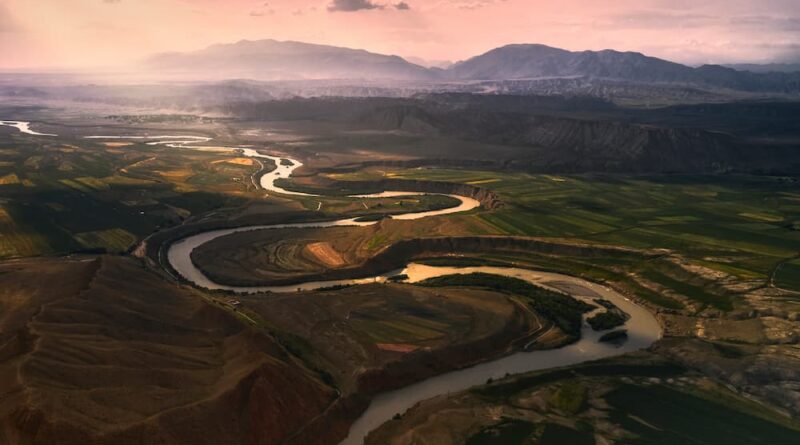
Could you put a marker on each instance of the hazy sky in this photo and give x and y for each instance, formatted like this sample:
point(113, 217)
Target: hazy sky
point(82, 33)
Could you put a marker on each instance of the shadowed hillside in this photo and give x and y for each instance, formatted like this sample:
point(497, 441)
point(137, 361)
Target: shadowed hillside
point(93, 361)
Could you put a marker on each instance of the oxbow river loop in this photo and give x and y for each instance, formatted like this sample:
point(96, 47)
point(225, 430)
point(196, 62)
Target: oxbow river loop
point(642, 327)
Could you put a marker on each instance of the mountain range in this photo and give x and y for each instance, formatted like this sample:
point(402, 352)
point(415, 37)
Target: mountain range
point(277, 60)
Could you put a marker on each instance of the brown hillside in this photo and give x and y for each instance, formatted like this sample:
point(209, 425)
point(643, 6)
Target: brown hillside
point(102, 352)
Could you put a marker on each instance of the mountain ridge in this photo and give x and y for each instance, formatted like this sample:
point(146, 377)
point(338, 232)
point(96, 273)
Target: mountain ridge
point(292, 60)
point(289, 60)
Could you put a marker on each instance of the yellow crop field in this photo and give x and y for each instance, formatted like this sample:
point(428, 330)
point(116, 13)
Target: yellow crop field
point(235, 161)
point(483, 181)
point(75, 185)
point(15, 242)
point(179, 175)
point(124, 180)
point(5, 218)
point(766, 217)
point(94, 183)
point(9, 179)
point(113, 240)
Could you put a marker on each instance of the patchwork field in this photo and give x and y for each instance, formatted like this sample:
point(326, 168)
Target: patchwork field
point(710, 255)
point(654, 402)
point(70, 195)
point(736, 224)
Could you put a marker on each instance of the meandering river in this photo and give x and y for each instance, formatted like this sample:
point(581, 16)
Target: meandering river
point(642, 327)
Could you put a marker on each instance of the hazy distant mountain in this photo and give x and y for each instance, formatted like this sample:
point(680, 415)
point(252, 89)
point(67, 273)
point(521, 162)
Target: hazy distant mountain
point(539, 61)
point(443, 64)
point(767, 67)
point(272, 59)
point(275, 60)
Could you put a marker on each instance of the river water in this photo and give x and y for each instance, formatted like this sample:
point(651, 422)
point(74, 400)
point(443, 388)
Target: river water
point(24, 127)
point(643, 329)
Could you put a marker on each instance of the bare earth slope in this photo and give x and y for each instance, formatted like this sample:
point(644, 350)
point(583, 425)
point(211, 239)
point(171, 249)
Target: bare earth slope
point(85, 359)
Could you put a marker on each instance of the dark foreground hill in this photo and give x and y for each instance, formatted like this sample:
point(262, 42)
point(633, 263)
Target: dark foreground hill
point(102, 352)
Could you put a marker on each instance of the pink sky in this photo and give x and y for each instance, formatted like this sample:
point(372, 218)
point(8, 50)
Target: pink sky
point(92, 33)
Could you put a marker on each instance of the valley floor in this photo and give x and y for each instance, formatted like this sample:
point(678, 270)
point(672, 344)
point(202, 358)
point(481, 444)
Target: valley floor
point(102, 342)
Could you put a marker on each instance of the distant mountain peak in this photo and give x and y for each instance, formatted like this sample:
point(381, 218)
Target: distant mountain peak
point(533, 61)
point(270, 59)
point(274, 59)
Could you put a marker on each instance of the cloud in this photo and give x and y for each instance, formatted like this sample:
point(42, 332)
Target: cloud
point(262, 13)
point(473, 4)
point(402, 6)
point(765, 22)
point(353, 5)
point(661, 20)
point(112, 2)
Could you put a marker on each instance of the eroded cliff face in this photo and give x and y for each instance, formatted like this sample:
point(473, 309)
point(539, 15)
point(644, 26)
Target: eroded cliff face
point(620, 147)
point(574, 145)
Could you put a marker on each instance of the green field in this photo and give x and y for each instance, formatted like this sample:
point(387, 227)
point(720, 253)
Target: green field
point(61, 197)
point(788, 275)
point(742, 225)
point(663, 415)
point(562, 310)
point(510, 432)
